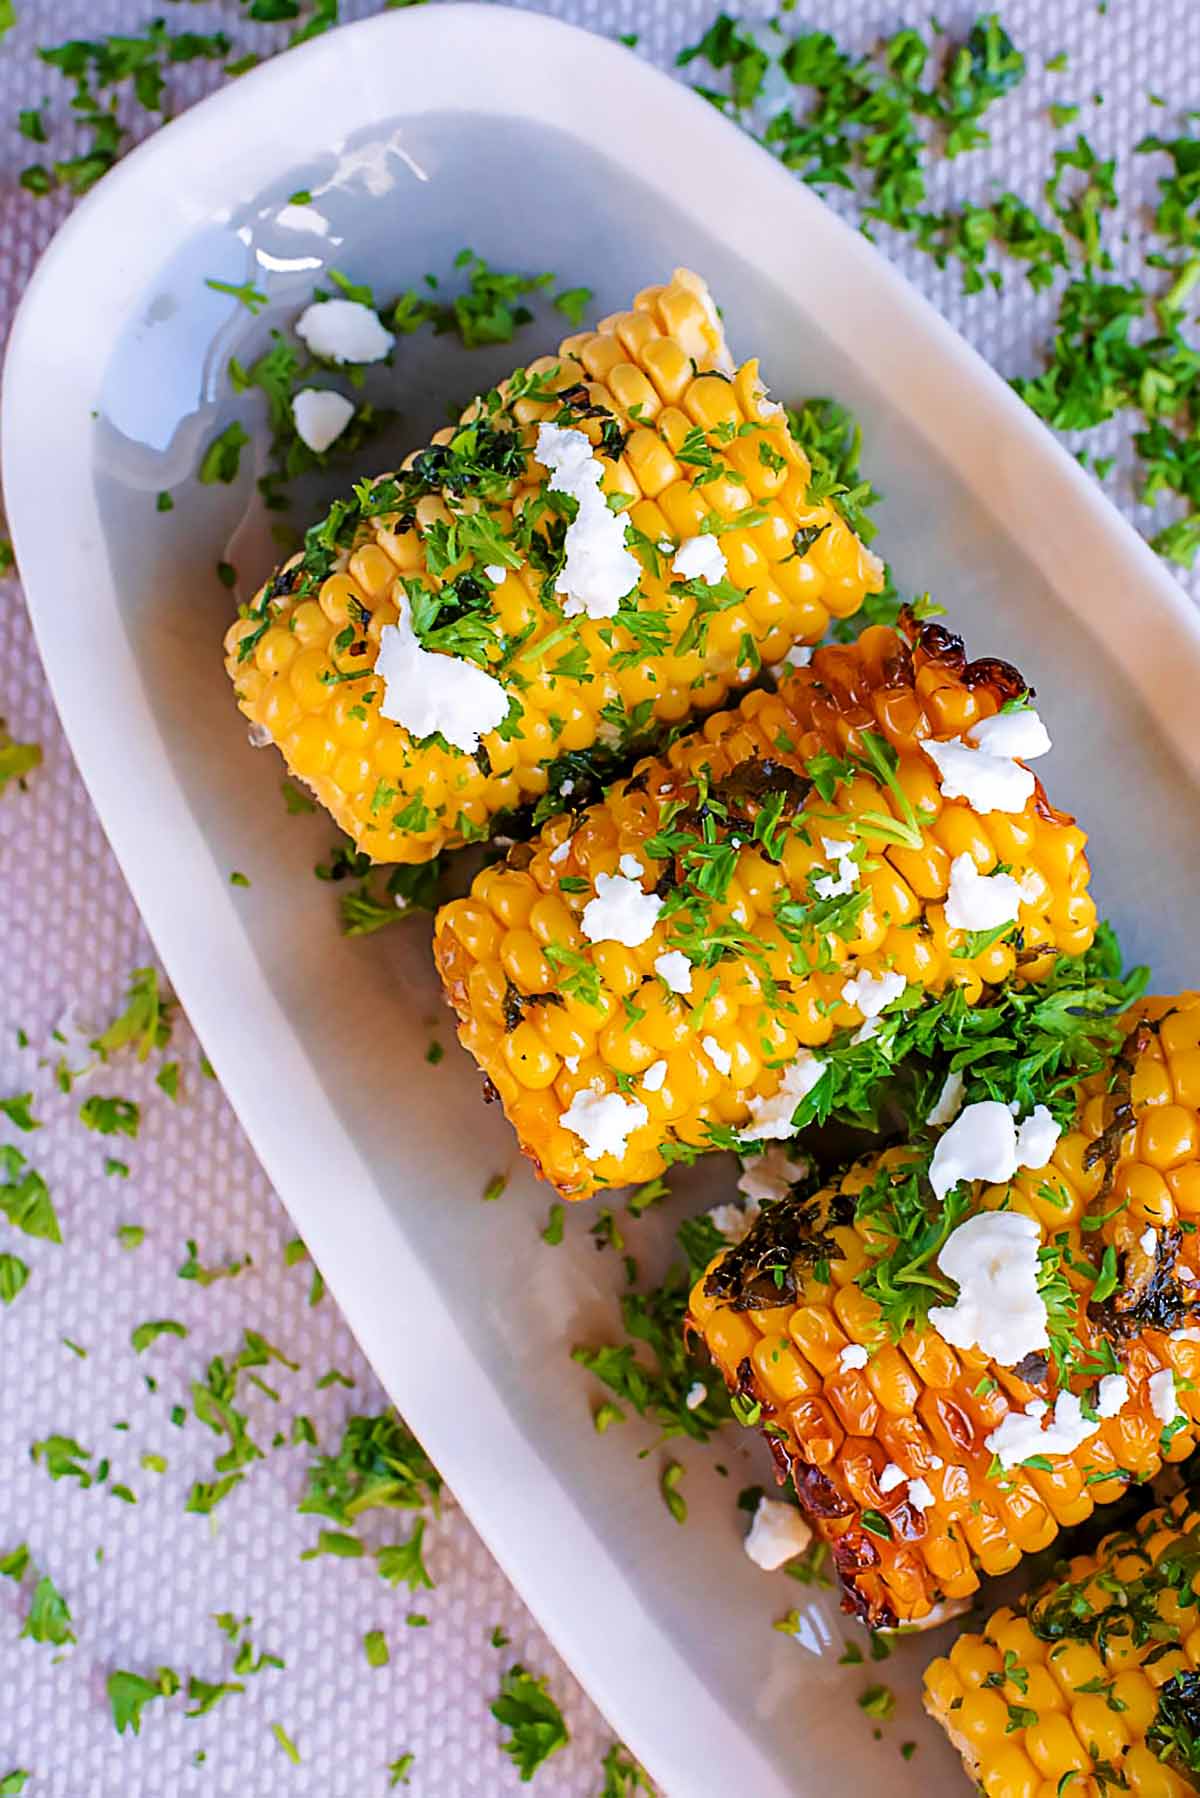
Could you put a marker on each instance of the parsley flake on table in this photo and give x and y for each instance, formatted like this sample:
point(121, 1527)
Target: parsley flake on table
point(17, 760)
point(146, 1333)
point(526, 1709)
point(14, 1783)
point(146, 1021)
point(49, 1618)
point(110, 1116)
point(19, 1111)
point(402, 1563)
point(191, 1267)
point(399, 1770)
point(623, 1777)
point(129, 1693)
point(14, 1276)
point(25, 1198)
point(376, 1649)
point(286, 1743)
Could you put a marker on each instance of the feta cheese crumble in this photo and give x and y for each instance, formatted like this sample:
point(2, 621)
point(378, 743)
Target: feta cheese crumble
point(426, 691)
point(697, 1392)
point(734, 1222)
point(771, 1175)
point(654, 1076)
point(1039, 1431)
point(1112, 1395)
point(630, 867)
point(495, 571)
point(700, 558)
point(676, 970)
point(920, 1495)
point(603, 1122)
point(620, 912)
point(841, 854)
point(984, 1143)
point(871, 993)
point(853, 1356)
point(1148, 1242)
point(320, 416)
point(771, 1118)
point(993, 1258)
point(777, 1534)
point(558, 856)
point(721, 1059)
point(1163, 1402)
point(982, 767)
point(599, 570)
point(343, 331)
point(949, 1101)
point(978, 901)
point(891, 1477)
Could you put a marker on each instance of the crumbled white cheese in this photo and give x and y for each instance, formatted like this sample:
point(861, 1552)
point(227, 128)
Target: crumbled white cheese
point(599, 570)
point(841, 854)
point(770, 1175)
point(1037, 1138)
point(566, 789)
point(891, 1477)
point(558, 856)
point(871, 993)
point(982, 768)
point(603, 1122)
point(654, 1076)
point(978, 901)
point(1163, 1402)
point(1112, 1395)
point(771, 1118)
point(734, 1222)
point(571, 1063)
point(676, 970)
point(1038, 1431)
point(620, 912)
point(854, 1355)
point(697, 1392)
point(949, 1101)
point(495, 571)
point(700, 558)
point(1148, 1242)
point(777, 1535)
point(984, 1143)
point(630, 867)
point(866, 1031)
point(1015, 734)
point(320, 416)
point(721, 1059)
point(426, 691)
point(920, 1495)
point(343, 331)
point(993, 1258)
point(798, 656)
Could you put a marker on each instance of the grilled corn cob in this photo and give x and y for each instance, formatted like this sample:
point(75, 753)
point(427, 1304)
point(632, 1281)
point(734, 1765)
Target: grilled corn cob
point(785, 871)
point(466, 546)
point(815, 1323)
point(1091, 1685)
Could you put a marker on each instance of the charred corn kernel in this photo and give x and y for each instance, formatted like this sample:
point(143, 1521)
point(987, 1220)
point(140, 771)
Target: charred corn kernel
point(929, 1410)
point(686, 449)
point(1105, 1631)
point(771, 876)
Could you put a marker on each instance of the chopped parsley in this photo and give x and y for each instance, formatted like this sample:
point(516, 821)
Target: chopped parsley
point(17, 760)
point(533, 1720)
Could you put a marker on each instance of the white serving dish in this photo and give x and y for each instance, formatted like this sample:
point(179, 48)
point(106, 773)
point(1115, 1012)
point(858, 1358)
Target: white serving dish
point(541, 147)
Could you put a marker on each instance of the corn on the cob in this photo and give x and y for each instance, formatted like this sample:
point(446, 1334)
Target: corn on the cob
point(850, 1383)
point(801, 850)
point(1091, 1685)
point(468, 542)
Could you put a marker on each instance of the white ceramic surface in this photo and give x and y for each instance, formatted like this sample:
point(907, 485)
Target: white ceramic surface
point(541, 147)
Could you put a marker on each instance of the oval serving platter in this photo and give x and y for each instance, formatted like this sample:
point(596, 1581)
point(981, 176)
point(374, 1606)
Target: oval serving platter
point(543, 148)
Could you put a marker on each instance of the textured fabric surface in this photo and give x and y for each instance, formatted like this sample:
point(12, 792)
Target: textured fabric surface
point(142, 1580)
